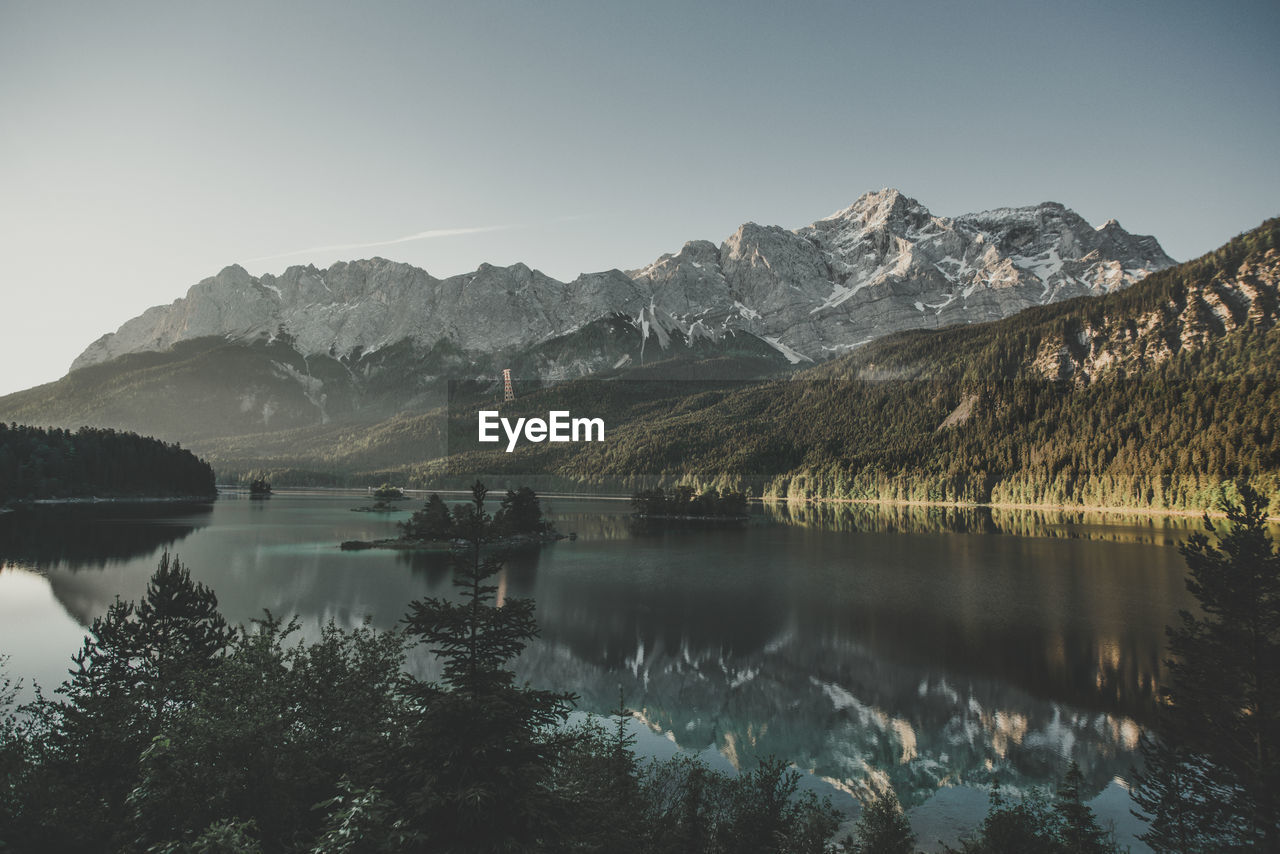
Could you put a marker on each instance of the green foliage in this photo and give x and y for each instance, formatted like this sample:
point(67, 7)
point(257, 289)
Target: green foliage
point(1212, 776)
point(690, 808)
point(37, 463)
point(258, 741)
point(362, 821)
point(520, 513)
point(683, 502)
point(387, 491)
point(1077, 826)
point(1162, 432)
point(12, 758)
point(883, 828)
point(1033, 825)
point(479, 748)
point(432, 523)
point(221, 837)
point(138, 668)
point(598, 774)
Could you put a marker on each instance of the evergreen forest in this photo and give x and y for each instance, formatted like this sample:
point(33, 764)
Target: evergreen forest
point(1175, 393)
point(36, 463)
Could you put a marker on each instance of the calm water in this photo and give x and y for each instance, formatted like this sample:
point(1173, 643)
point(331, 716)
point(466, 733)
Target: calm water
point(868, 646)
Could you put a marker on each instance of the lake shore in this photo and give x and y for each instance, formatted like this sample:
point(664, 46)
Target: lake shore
point(1044, 508)
point(122, 499)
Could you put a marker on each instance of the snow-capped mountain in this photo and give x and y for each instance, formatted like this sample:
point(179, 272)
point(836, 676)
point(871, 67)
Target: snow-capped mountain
point(881, 265)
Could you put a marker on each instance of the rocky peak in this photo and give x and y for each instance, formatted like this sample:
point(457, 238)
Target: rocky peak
point(883, 264)
point(888, 208)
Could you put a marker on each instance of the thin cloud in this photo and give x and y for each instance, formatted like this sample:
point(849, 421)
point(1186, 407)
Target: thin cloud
point(430, 234)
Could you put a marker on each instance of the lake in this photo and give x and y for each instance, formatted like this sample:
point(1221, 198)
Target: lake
point(870, 646)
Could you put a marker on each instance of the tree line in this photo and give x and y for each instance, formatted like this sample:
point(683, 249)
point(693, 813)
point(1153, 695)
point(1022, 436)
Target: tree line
point(1159, 434)
point(38, 463)
point(685, 502)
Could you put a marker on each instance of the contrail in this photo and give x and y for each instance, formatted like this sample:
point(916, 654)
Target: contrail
point(430, 234)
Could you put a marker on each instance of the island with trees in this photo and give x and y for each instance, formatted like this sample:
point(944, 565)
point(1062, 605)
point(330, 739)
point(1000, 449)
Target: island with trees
point(517, 523)
point(683, 502)
point(387, 492)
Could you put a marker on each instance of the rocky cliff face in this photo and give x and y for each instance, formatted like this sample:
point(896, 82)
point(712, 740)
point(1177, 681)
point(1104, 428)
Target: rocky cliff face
point(882, 265)
point(1190, 320)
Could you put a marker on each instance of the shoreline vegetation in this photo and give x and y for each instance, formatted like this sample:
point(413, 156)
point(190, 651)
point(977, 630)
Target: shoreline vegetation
point(1041, 508)
point(52, 465)
point(683, 503)
point(817, 501)
point(177, 731)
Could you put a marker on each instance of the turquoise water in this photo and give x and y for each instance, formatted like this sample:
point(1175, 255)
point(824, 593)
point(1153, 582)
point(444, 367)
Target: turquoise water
point(911, 654)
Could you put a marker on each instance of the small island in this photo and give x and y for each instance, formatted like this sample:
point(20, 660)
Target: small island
point(387, 492)
point(435, 527)
point(379, 506)
point(683, 503)
point(259, 488)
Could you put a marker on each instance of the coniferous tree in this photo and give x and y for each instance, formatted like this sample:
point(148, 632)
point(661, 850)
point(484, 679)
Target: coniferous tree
point(883, 828)
point(1212, 779)
point(478, 759)
point(1025, 827)
point(520, 513)
point(13, 761)
point(137, 668)
point(1078, 826)
point(433, 522)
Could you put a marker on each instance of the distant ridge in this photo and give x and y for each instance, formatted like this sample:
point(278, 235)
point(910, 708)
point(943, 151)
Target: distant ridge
point(339, 369)
point(881, 265)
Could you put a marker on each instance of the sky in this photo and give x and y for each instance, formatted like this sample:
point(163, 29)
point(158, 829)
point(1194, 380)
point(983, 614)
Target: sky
point(145, 146)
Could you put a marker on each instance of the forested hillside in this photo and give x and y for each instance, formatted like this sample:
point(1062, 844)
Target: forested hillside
point(1150, 397)
point(37, 463)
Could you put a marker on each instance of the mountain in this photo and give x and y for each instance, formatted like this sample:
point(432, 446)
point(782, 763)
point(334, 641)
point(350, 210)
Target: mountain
point(881, 265)
point(1150, 397)
point(314, 365)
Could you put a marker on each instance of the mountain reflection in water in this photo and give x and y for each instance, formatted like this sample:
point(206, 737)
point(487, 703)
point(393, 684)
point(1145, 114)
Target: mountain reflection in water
point(869, 646)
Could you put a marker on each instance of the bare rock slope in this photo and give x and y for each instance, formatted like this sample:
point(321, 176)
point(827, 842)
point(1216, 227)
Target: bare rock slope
point(879, 266)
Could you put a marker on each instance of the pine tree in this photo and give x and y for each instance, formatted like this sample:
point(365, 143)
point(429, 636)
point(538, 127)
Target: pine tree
point(520, 513)
point(1022, 828)
point(883, 828)
point(1078, 826)
point(1212, 777)
point(432, 522)
point(476, 769)
point(139, 664)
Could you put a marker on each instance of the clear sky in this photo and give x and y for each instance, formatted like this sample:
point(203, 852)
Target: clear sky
point(144, 146)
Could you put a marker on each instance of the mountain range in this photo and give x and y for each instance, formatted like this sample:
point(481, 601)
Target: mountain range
point(879, 266)
point(252, 359)
point(1154, 396)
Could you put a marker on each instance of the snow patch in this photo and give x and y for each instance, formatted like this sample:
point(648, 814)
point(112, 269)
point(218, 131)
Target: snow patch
point(793, 357)
point(839, 293)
